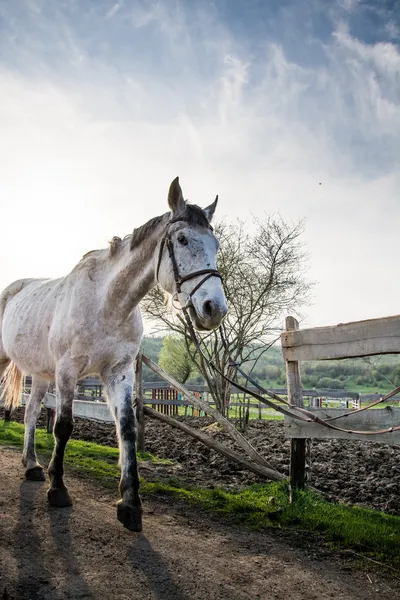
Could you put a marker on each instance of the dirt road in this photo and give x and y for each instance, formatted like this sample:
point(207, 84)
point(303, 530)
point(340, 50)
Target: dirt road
point(84, 552)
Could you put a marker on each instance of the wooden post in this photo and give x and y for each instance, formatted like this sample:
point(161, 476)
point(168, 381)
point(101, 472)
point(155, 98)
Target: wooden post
point(139, 401)
point(50, 414)
point(295, 396)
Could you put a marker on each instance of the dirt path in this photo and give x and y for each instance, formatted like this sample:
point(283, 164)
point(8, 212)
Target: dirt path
point(83, 552)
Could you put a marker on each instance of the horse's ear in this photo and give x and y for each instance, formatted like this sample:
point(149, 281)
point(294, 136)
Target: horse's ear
point(210, 210)
point(175, 197)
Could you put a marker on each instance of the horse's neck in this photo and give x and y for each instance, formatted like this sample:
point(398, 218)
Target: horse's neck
point(132, 276)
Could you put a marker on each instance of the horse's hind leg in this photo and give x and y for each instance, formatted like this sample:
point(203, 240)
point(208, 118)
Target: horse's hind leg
point(119, 387)
point(34, 471)
point(58, 494)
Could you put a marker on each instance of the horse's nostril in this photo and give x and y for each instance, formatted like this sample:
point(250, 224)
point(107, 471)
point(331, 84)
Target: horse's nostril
point(208, 308)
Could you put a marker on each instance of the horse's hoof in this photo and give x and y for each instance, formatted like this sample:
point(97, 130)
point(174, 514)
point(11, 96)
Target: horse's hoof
point(130, 516)
point(59, 497)
point(35, 474)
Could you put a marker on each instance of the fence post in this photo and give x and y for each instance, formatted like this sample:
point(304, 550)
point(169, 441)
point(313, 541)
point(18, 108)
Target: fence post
point(50, 415)
point(295, 396)
point(140, 401)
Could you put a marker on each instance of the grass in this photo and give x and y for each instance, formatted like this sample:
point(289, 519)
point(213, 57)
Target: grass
point(369, 532)
point(266, 414)
point(93, 459)
point(383, 387)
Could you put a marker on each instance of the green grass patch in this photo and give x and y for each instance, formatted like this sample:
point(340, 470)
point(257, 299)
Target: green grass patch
point(266, 415)
point(369, 532)
point(93, 459)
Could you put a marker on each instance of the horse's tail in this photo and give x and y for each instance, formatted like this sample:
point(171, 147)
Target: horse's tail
point(12, 386)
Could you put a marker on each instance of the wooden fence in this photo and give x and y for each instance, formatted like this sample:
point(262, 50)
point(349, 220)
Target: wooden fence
point(350, 340)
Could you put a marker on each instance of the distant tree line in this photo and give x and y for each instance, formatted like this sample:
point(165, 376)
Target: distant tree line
point(354, 374)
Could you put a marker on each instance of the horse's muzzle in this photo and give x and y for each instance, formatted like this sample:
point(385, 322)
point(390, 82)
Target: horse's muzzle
point(209, 317)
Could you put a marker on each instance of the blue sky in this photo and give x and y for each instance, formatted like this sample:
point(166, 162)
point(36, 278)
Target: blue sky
point(104, 103)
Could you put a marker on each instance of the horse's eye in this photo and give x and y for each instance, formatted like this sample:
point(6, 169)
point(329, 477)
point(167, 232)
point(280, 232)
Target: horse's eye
point(182, 239)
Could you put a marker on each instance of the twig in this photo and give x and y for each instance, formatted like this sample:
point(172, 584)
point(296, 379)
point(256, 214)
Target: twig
point(381, 564)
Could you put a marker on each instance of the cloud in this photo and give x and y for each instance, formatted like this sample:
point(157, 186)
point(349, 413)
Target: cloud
point(104, 103)
point(349, 5)
point(113, 10)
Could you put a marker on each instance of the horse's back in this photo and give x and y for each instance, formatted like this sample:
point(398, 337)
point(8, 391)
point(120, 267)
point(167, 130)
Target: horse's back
point(12, 290)
point(26, 308)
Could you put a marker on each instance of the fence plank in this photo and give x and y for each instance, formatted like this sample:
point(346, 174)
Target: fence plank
point(295, 396)
point(368, 420)
point(86, 409)
point(359, 338)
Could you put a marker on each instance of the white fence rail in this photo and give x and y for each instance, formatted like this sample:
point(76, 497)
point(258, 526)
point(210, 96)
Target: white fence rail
point(85, 409)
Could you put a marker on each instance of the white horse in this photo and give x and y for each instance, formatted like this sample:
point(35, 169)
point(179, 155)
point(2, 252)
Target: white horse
point(89, 322)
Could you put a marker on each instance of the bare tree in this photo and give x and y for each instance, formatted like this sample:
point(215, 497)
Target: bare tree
point(264, 278)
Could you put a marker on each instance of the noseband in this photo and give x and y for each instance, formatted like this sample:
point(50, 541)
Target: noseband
point(167, 241)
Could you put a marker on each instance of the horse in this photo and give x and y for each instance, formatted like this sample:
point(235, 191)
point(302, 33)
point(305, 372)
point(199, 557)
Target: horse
point(89, 323)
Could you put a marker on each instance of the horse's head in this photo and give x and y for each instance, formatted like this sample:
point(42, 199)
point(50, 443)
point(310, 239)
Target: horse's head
point(187, 261)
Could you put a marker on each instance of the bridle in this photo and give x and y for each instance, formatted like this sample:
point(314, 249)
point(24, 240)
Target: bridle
point(179, 280)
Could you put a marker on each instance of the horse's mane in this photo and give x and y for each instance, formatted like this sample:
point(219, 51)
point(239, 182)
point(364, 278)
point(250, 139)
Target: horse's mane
point(192, 214)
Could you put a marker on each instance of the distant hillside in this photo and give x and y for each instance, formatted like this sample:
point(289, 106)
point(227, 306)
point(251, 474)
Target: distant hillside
point(367, 375)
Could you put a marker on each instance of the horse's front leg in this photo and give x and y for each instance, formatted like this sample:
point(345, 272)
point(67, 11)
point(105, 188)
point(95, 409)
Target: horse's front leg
point(119, 387)
point(58, 494)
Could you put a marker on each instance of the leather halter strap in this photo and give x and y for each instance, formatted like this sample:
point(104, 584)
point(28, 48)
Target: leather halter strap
point(167, 241)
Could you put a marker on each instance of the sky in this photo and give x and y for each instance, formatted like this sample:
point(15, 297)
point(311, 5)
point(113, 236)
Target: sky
point(287, 107)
